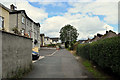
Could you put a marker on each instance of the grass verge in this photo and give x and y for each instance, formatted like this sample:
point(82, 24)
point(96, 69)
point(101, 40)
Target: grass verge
point(93, 69)
point(97, 73)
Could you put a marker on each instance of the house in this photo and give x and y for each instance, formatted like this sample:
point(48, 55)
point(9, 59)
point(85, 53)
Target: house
point(88, 40)
point(20, 20)
point(96, 38)
point(55, 40)
point(36, 37)
point(118, 34)
point(109, 34)
point(4, 18)
point(47, 41)
point(42, 36)
point(24, 25)
point(81, 41)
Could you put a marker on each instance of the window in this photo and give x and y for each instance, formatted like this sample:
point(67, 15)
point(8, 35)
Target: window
point(1, 22)
point(23, 32)
point(23, 20)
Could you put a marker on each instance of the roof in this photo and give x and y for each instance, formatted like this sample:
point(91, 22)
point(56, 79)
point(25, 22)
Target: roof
point(23, 11)
point(97, 37)
point(42, 35)
point(47, 37)
point(80, 41)
point(88, 40)
point(1, 5)
point(55, 39)
point(109, 34)
point(118, 34)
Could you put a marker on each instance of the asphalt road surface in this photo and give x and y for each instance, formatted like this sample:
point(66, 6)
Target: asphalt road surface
point(45, 52)
point(61, 64)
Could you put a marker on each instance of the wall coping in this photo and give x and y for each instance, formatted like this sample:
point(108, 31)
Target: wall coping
point(14, 34)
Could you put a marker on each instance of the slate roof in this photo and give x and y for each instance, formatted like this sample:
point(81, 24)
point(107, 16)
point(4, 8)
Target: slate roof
point(55, 39)
point(42, 34)
point(1, 5)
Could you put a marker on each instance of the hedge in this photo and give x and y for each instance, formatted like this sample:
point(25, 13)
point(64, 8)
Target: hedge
point(84, 51)
point(105, 53)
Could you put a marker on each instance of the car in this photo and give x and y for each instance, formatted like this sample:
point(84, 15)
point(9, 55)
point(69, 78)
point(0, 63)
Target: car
point(35, 53)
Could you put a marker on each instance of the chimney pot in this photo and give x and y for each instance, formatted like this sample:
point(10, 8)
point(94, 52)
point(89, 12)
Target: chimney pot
point(12, 7)
point(106, 32)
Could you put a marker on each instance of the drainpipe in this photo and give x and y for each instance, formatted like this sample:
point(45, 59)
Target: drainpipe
point(33, 34)
point(17, 20)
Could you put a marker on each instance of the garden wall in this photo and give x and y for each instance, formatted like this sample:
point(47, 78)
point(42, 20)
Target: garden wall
point(16, 54)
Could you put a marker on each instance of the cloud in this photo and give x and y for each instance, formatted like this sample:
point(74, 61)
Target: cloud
point(108, 9)
point(73, 0)
point(37, 14)
point(86, 26)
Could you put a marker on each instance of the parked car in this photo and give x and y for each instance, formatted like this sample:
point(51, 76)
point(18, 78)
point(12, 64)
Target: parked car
point(35, 53)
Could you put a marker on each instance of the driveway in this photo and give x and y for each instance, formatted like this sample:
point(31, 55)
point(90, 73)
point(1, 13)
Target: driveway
point(62, 64)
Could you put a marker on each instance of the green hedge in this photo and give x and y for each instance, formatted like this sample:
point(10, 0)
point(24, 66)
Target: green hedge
point(83, 50)
point(105, 53)
point(51, 45)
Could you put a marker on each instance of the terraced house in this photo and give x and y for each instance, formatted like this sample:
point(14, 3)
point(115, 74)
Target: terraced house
point(4, 18)
point(17, 21)
point(25, 25)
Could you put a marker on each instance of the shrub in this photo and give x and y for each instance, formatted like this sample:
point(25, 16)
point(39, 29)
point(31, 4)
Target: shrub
point(75, 45)
point(105, 53)
point(83, 50)
point(51, 45)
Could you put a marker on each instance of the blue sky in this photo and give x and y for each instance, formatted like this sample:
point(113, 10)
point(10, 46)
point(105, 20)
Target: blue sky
point(53, 10)
point(60, 8)
point(89, 18)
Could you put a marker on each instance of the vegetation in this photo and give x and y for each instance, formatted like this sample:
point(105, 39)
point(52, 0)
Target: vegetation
point(99, 74)
point(68, 35)
point(15, 29)
point(105, 53)
point(51, 45)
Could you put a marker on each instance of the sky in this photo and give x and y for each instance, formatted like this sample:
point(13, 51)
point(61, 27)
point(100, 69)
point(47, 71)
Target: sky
point(89, 17)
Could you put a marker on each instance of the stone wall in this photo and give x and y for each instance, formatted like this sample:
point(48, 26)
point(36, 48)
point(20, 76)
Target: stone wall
point(16, 55)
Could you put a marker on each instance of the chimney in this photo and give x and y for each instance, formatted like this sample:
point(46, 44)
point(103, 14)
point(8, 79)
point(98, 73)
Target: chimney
point(99, 35)
point(106, 32)
point(12, 7)
point(119, 34)
point(94, 36)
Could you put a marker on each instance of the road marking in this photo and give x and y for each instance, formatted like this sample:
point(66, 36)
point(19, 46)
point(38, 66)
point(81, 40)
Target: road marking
point(52, 53)
point(41, 57)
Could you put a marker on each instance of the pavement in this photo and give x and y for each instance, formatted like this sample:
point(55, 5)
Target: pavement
point(59, 64)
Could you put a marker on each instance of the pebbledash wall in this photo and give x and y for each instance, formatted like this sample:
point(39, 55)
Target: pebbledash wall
point(16, 54)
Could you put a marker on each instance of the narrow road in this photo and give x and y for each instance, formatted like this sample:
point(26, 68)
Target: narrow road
point(62, 64)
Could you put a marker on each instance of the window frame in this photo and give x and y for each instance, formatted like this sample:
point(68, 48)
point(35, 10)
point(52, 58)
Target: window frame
point(23, 19)
point(2, 22)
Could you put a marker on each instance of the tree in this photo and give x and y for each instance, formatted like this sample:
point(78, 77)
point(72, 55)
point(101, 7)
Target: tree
point(68, 34)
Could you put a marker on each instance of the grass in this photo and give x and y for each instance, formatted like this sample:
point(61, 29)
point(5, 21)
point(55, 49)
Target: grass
point(91, 68)
point(97, 73)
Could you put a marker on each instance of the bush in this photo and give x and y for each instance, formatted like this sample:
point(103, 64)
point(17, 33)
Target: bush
point(51, 45)
point(75, 45)
point(105, 53)
point(83, 50)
